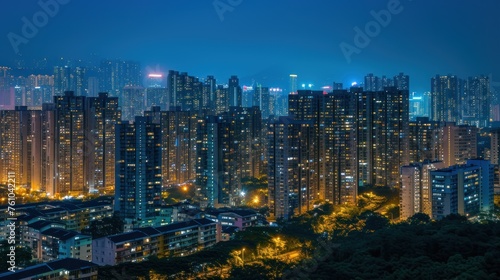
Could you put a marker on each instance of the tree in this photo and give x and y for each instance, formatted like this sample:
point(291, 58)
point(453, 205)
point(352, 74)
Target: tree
point(375, 222)
point(419, 218)
point(22, 254)
point(104, 227)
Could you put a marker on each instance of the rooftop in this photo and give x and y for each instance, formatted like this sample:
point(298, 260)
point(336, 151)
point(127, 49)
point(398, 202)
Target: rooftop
point(68, 264)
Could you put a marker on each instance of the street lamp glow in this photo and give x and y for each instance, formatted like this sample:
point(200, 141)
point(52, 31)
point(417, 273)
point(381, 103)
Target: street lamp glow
point(243, 256)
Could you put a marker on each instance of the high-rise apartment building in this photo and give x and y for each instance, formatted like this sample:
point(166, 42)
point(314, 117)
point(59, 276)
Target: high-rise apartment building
point(344, 173)
point(424, 140)
point(293, 84)
point(70, 143)
point(308, 105)
point(209, 99)
point(476, 101)
point(382, 135)
point(402, 82)
point(178, 129)
point(228, 150)
point(184, 91)
point(102, 115)
point(374, 83)
point(458, 144)
point(465, 189)
point(222, 99)
point(138, 169)
point(235, 92)
point(416, 191)
point(292, 173)
point(487, 180)
point(445, 98)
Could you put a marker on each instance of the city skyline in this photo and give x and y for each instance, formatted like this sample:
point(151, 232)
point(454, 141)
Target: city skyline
point(237, 139)
point(227, 39)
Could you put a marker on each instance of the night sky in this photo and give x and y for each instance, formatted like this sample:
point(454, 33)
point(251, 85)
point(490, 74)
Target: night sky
point(265, 40)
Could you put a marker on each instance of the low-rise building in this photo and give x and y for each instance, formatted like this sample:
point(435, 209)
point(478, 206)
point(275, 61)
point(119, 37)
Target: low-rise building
point(64, 269)
point(74, 214)
point(32, 235)
point(173, 240)
point(60, 243)
point(241, 219)
point(465, 189)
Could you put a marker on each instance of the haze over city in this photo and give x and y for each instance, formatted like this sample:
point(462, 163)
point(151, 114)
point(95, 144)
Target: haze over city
point(267, 40)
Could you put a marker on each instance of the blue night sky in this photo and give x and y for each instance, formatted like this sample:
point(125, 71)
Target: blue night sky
point(265, 40)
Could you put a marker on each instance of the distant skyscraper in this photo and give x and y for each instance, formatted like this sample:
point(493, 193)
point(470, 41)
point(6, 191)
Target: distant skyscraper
point(62, 79)
point(374, 83)
point(418, 105)
point(138, 169)
point(235, 92)
point(476, 105)
point(338, 86)
point(281, 104)
point(93, 86)
point(445, 95)
point(222, 101)
point(154, 80)
point(402, 82)
point(132, 102)
point(293, 84)
point(209, 94)
point(156, 96)
point(114, 75)
point(247, 96)
point(7, 98)
point(261, 99)
point(459, 143)
point(184, 91)
point(79, 81)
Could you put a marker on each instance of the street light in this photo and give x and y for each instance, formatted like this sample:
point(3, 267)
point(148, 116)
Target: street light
point(243, 256)
point(276, 247)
